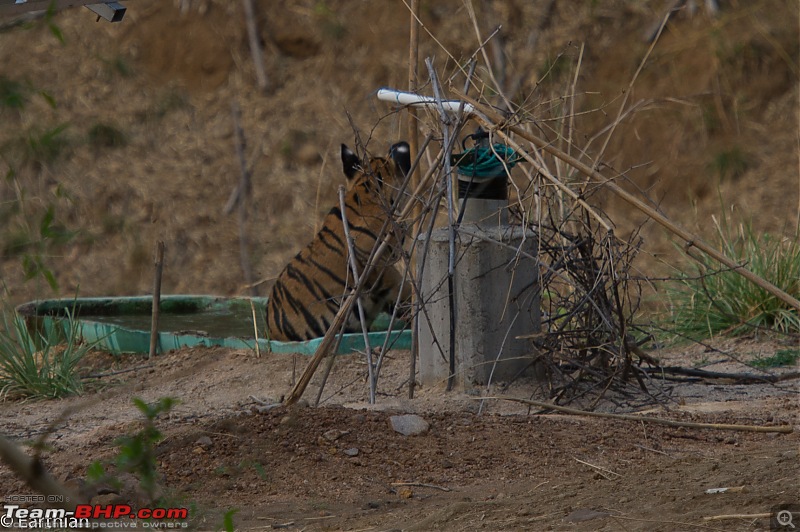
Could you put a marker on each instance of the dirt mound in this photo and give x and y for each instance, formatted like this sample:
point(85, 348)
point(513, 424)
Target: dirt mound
point(341, 466)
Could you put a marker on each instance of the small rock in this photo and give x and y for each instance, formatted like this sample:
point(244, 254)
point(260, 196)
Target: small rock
point(788, 455)
point(409, 424)
point(108, 499)
point(104, 489)
point(204, 441)
point(352, 451)
point(334, 434)
point(405, 492)
point(260, 409)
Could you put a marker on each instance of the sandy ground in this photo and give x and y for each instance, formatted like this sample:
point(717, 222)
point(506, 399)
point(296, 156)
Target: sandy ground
point(497, 467)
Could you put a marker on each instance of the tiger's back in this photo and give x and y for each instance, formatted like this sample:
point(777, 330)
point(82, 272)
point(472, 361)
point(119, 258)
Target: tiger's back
point(308, 292)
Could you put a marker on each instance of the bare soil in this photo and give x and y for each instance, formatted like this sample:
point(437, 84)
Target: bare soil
point(715, 133)
point(492, 466)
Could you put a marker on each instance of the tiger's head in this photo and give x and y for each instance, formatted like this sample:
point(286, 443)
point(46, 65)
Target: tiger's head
point(373, 189)
point(380, 176)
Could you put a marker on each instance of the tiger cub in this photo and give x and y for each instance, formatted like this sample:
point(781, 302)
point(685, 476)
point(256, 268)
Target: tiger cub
point(308, 292)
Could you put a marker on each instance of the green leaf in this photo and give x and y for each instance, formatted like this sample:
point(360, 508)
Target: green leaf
point(54, 29)
point(45, 224)
point(50, 278)
point(95, 471)
point(48, 98)
point(227, 520)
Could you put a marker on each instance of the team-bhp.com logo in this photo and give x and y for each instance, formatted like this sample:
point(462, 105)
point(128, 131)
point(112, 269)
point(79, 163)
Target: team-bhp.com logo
point(93, 516)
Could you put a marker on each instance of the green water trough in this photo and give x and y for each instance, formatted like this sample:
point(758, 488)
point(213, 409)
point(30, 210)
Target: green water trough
point(122, 324)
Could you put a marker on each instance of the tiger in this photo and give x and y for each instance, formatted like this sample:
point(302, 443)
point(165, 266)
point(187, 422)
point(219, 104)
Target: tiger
point(309, 291)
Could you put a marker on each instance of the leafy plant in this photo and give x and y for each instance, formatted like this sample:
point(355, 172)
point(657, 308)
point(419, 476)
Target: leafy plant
point(137, 451)
point(51, 25)
point(731, 163)
point(44, 146)
point(722, 301)
point(13, 94)
point(227, 520)
point(36, 147)
point(32, 243)
point(33, 364)
point(784, 357)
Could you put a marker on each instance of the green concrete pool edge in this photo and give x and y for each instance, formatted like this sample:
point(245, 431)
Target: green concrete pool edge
point(116, 339)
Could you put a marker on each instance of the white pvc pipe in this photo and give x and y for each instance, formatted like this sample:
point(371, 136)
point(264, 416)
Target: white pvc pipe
point(409, 98)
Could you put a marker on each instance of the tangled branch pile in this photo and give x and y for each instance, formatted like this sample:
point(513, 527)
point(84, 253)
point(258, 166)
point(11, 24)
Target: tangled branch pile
point(588, 291)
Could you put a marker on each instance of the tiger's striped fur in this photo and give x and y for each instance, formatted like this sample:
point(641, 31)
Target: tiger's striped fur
point(307, 294)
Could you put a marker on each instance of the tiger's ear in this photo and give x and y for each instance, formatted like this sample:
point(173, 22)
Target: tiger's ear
point(401, 155)
point(351, 164)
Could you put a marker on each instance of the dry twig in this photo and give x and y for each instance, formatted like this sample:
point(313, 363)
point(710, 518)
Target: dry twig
point(783, 429)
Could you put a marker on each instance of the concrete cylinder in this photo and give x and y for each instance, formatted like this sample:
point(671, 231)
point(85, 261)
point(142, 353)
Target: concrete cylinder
point(496, 293)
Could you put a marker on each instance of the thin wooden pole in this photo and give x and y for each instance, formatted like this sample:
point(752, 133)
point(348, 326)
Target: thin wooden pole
point(351, 255)
point(413, 143)
point(159, 263)
point(244, 190)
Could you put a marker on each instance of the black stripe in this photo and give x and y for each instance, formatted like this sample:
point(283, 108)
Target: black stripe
point(355, 211)
point(279, 319)
point(331, 302)
point(276, 300)
point(336, 213)
point(326, 233)
point(328, 272)
point(311, 321)
point(289, 332)
point(274, 309)
point(289, 299)
point(364, 231)
point(299, 276)
point(313, 324)
point(326, 296)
